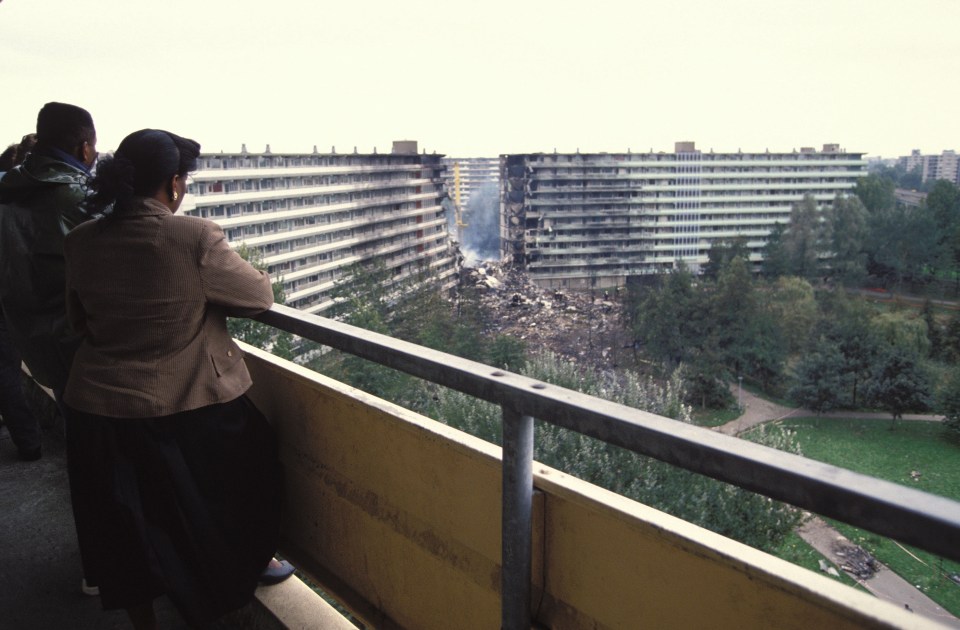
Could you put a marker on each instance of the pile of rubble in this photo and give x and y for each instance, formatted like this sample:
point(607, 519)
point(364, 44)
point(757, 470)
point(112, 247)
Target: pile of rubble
point(584, 327)
point(855, 560)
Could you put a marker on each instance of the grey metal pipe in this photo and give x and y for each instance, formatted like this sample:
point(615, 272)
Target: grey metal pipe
point(516, 530)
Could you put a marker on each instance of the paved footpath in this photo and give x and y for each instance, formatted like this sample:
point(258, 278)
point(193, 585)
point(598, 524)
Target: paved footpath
point(885, 584)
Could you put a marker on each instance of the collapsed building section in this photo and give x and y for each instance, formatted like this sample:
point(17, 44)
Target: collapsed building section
point(518, 223)
point(596, 220)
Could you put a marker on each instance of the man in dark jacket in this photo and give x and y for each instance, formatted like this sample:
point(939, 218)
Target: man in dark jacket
point(40, 201)
point(21, 423)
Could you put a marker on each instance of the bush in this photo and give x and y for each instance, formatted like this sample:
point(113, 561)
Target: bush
point(725, 509)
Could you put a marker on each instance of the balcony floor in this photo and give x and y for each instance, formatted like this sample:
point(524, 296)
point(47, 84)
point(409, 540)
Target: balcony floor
point(39, 562)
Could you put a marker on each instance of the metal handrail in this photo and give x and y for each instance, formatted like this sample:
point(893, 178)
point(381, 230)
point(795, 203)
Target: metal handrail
point(924, 520)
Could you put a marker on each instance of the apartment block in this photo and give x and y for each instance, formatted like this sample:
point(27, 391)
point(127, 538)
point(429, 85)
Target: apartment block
point(467, 175)
point(933, 167)
point(594, 220)
point(313, 215)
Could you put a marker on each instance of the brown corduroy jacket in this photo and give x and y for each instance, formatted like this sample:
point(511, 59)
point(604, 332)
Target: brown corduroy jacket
point(150, 292)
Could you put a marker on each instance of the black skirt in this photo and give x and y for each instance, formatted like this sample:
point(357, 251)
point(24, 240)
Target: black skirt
point(186, 505)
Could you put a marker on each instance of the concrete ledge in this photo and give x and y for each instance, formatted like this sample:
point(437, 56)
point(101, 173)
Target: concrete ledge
point(292, 605)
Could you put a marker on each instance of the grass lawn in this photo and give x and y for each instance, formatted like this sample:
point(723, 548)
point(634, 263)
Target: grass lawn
point(714, 417)
point(872, 447)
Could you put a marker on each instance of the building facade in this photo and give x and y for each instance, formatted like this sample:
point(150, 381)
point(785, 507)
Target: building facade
point(313, 215)
point(467, 175)
point(933, 167)
point(594, 220)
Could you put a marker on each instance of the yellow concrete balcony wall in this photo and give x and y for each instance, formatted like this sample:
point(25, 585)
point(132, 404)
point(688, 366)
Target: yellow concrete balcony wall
point(398, 517)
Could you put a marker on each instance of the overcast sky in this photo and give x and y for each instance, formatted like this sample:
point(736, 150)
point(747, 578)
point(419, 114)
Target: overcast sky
point(500, 76)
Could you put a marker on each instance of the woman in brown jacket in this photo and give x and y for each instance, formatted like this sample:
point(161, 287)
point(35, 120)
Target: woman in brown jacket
point(174, 469)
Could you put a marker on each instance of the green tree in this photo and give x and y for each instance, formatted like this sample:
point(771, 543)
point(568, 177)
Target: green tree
point(805, 238)
point(706, 379)
point(934, 330)
point(848, 262)
point(734, 309)
point(818, 384)
point(363, 298)
point(277, 342)
point(793, 305)
point(846, 324)
point(721, 253)
point(943, 203)
point(901, 244)
point(507, 353)
point(744, 516)
point(876, 193)
point(912, 179)
point(776, 262)
point(668, 320)
point(948, 402)
point(902, 330)
point(949, 349)
point(899, 383)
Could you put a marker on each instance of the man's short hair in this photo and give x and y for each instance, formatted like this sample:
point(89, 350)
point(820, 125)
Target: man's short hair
point(64, 126)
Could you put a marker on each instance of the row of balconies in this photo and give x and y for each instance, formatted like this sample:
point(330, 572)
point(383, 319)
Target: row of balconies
point(255, 215)
point(214, 173)
point(653, 194)
point(328, 276)
point(234, 185)
point(260, 238)
point(350, 240)
point(592, 190)
point(232, 199)
point(348, 254)
point(719, 160)
point(315, 299)
point(641, 177)
point(358, 251)
point(668, 203)
point(662, 222)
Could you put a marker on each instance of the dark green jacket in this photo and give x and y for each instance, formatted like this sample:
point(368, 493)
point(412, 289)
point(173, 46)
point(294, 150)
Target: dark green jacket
point(39, 204)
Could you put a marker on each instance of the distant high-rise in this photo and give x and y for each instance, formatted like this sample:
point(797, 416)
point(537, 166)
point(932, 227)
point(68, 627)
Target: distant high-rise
point(593, 220)
point(312, 215)
point(465, 176)
point(933, 167)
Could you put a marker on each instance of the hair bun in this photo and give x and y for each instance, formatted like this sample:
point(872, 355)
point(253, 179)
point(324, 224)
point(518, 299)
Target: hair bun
point(113, 183)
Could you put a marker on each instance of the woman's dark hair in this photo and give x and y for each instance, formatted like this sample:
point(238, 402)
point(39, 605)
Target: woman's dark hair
point(143, 162)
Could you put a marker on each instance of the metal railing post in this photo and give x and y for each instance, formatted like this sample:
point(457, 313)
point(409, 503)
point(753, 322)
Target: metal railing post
point(516, 532)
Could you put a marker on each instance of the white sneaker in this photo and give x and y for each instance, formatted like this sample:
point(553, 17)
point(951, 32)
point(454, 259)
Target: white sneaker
point(92, 591)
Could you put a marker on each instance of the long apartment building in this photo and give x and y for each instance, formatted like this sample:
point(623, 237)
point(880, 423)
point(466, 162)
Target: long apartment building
point(313, 215)
point(593, 220)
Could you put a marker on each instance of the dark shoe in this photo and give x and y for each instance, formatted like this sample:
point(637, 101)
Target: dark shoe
point(276, 573)
point(29, 454)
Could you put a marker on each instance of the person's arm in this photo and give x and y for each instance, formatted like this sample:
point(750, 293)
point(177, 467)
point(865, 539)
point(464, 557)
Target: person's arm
point(72, 213)
point(228, 280)
point(76, 314)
